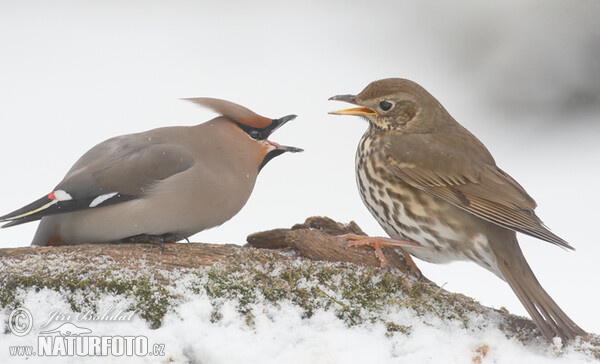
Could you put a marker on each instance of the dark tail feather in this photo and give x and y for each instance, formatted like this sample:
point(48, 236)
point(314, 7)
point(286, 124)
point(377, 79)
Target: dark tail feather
point(31, 212)
point(46, 206)
point(547, 315)
point(21, 221)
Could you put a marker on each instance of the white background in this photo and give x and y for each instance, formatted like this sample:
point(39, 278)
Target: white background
point(524, 76)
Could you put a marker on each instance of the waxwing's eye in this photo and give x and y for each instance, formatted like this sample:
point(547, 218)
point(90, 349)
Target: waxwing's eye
point(254, 134)
point(385, 105)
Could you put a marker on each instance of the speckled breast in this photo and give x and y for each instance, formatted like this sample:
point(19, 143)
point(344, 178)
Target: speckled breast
point(408, 213)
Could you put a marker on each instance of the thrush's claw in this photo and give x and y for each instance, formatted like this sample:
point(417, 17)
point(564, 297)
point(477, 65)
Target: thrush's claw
point(382, 259)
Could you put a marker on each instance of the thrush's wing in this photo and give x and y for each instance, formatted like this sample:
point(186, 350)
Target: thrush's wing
point(119, 169)
point(462, 172)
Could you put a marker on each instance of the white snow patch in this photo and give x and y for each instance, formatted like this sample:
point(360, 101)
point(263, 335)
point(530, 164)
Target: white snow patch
point(281, 334)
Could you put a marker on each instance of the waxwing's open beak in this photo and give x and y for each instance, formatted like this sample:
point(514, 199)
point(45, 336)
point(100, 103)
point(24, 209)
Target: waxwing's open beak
point(276, 124)
point(361, 110)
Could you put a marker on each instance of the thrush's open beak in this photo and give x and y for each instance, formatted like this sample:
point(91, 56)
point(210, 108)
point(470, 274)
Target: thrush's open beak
point(276, 124)
point(361, 110)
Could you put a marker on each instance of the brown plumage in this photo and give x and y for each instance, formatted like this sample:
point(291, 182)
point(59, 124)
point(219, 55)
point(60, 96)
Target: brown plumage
point(428, 180)
point(160, 185)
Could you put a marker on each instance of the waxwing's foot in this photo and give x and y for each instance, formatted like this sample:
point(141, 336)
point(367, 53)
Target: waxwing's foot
point(159, 240)
point(377, 243)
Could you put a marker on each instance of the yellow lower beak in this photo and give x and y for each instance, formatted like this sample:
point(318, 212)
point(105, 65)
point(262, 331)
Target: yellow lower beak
point(355, 111)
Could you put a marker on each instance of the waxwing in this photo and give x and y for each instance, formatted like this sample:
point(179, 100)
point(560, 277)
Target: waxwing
point(161, 185)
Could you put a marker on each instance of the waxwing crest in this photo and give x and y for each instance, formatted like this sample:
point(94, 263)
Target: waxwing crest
point(233, 111)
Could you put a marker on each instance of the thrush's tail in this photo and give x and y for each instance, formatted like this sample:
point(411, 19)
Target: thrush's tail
point(549, 318)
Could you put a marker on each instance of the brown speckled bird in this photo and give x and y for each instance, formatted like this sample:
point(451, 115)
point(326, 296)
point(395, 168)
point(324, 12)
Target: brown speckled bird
point(429, 181)
point(161, 185)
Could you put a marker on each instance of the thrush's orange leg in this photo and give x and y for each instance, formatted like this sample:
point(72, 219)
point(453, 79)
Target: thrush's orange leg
point(378, 242)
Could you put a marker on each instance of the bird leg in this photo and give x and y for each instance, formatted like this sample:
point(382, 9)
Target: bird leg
point(412, 266)
point(377, 243)
point(159, 240)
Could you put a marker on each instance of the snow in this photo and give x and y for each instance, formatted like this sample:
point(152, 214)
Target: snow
point(281, 332)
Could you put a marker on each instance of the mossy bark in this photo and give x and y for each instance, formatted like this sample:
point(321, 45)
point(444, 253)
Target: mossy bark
point(307, 265)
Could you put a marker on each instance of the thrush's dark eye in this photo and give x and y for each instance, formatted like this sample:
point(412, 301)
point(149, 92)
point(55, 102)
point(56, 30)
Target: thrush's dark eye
point(385, 105)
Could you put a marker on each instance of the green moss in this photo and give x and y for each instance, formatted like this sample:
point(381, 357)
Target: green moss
point(251, 282)
point(392, 328)
point(590, 347)
point(230, 284)
point(356, 295)
point(82, 288)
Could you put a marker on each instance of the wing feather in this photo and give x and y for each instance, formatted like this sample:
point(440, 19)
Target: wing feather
point(464, 174)
point(114, 171)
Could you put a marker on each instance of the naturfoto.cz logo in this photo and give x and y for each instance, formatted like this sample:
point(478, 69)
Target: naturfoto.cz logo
point(69, 339)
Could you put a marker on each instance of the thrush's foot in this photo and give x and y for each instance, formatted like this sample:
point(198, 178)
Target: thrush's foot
point(410, 262)
point(377, 243)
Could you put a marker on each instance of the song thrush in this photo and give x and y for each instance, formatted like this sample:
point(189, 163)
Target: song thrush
point(427, 180)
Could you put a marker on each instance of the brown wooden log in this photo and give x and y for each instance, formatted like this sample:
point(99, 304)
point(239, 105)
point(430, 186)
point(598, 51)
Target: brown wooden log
point(314, 240)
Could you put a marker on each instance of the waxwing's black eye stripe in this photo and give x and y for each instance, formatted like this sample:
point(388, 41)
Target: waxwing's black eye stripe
point(385, 105)
point(261, 134)
point(255, 133)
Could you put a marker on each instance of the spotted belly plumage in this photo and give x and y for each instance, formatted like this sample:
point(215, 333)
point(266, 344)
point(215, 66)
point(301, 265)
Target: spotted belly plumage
point(408, 213)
